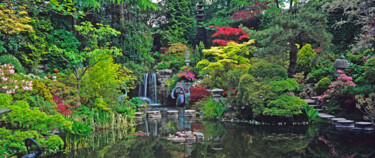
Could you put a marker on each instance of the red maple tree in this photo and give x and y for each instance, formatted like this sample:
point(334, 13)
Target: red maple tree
point(227, 34)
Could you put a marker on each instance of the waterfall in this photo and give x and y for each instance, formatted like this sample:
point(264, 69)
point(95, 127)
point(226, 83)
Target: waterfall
point(148, 90)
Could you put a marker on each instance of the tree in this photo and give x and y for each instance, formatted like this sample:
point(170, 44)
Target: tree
point(360, 13)
point(180, 19)
point(96, 49)
point(286, 29)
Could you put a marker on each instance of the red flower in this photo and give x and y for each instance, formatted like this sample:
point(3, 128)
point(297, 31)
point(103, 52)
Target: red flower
point(56, 71)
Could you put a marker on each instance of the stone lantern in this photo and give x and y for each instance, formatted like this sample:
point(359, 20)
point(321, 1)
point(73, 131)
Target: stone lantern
point(54, 78)
point(340, 64)
point(187, 58)
point(216, 94)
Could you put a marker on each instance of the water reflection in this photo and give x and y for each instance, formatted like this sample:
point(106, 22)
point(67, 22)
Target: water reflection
point(227, 140)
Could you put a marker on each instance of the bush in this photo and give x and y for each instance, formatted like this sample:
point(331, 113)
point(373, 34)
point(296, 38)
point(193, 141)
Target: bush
point(213, 110)
point(197, 93)
point(41, 89)
point(322, 85)
point(317, 74)
point(5, 100)
point(285, 106)
point(305, 58)
point(24, 117)
point(369, 74)
point(264, 71)
point(284, 85)
point(61, 90)
point(14, 141)
point(10, 59)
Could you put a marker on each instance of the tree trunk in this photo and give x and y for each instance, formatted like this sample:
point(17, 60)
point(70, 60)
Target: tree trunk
point(277, 3)
point(122, 13)
point(292, 59)
point(291, 5)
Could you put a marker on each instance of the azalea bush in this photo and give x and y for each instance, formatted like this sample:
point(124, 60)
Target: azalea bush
point(10, 82)
point(342, 82)
point(186, 73)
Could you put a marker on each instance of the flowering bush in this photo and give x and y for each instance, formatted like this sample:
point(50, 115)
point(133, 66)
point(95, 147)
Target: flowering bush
point(228, 34)
point(300, 78)
point(342, 82)
point(229, 92)
point(9, 80)
point(186, 74)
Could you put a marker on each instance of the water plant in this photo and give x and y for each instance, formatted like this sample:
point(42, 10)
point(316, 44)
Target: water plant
point(311, 113)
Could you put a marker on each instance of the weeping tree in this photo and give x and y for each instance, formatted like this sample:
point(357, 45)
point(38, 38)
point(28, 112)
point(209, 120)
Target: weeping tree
point(287, 29)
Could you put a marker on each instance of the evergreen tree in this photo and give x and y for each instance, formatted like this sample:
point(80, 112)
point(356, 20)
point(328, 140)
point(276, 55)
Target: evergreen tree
point(180, 19)
point(287, 29)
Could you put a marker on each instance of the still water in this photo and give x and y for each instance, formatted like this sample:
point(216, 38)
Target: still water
point(226, 139)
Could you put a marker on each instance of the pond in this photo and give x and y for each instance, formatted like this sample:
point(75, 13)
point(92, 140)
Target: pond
point(226, 139)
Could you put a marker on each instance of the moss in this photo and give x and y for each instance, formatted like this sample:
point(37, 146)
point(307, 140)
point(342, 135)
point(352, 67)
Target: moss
point(322, 86)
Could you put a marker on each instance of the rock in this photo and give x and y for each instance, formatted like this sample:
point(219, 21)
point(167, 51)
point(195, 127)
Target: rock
point(334, 120)
point(367, 126)
point(153, 114)
point(349, 124)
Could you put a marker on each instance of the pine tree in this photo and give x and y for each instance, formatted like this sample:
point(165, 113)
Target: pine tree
point(287, 29)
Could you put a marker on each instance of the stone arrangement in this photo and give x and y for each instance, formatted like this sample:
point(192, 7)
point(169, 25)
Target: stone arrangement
point(186, 136)
point(340, 123)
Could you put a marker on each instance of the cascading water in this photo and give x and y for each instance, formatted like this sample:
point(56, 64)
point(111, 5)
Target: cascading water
point(148, 90)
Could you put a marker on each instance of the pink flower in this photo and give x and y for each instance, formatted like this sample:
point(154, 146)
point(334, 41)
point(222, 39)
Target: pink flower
point(5, 78)
point(11, 71)
point(9, 92)
point(5, 87)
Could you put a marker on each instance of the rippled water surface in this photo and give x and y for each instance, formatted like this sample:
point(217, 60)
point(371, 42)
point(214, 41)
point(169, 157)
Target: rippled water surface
point(233, 140)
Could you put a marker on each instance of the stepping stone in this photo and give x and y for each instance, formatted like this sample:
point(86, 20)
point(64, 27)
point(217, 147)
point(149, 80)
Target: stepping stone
point(310, 101)
point(367, 126)
point(189, 113)
point(314, 105)
point(138, 115)
point(334, 120)
point(319, 110)
point(172, 113)
point(325, 116)
point(314, 98)
point(153, 114)
point(345, 124)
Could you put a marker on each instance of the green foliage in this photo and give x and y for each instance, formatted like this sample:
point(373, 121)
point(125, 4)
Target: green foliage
point(81, 129)
point(284, 85)
point(42, 90)
point(5, 99)
point(181, 19)
point(213, 110)
point(45, 106)
point(24, 117)
point(319, 73)
point(285, 106)
point(61, 90)
point(369, 67)
point(65, 40)
point(226, 58)
point(311, 113)
point(102, 81)
point(265, 71)
point(10, 59)
point(305, 58)
point(322, 85)
point(138, 102)
point(14, 141)
point(162, 65)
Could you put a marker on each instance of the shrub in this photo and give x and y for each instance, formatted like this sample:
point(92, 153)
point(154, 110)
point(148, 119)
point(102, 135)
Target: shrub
point(10, 82)
point(68, 94)
point(284, 85)
point(5, 100)
point(369, 74)
point(102, 81)
point(317, 74)
point(213, 110)
point(42, 90)
point(14, 141)
point(305, 58)
point(264, 71)
point(24, 117)
point(285, 106)
point(10, 59)
point(197, 93)
point(322, 85)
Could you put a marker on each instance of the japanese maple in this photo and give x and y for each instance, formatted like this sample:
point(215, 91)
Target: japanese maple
point(226, 34)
